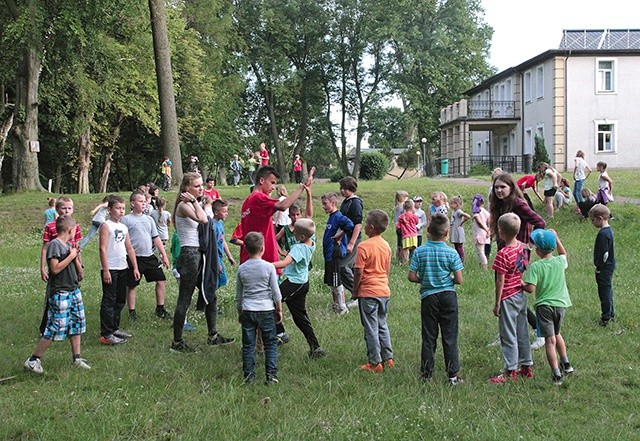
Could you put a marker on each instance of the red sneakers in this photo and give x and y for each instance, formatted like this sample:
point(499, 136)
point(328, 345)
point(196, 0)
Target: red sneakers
point(389, 363)
point(525, 371)
point(372, 367)
point(503, 377)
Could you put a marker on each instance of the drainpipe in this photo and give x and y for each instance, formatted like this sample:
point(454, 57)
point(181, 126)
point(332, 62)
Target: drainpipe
point(566, 119)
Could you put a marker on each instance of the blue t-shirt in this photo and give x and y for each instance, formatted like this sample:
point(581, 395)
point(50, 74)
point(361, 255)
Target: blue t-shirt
point(298, 271)
point(218, 228)
point(337, 221)
point(434, 262)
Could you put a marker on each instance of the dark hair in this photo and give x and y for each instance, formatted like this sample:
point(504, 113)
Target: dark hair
point(266, 171)
point(253, 242)
point(498, 207)
point(65, 223)
point(349, 183)
point(378, 219)
point(210, 179)
point(114, 199)
point(438, 226)
point(218, 204)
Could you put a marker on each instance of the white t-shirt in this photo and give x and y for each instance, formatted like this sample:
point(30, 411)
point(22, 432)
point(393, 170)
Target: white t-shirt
point(116, 249)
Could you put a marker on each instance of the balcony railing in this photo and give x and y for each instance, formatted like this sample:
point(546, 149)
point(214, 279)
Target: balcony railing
point(491, 109)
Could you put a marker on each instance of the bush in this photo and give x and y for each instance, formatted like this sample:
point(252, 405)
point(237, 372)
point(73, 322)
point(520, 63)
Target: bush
point(373, 166)
point(540, 154)
point(336, 174)
point(480, 169)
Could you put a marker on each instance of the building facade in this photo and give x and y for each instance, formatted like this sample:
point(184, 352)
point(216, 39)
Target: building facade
point(582, 96)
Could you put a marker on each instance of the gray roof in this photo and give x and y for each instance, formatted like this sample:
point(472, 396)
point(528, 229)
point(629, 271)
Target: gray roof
point(600, 39)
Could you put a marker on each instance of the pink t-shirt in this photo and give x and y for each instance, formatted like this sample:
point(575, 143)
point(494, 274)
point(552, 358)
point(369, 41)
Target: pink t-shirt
point(480, 236)
point(257, 211)
point(297, 165)
point(408, 224)
point(511, 261)
point(51, 233)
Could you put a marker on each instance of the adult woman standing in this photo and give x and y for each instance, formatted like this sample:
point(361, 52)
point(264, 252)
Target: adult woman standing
point(581, 172)
point(506, 197)
point(188, 215)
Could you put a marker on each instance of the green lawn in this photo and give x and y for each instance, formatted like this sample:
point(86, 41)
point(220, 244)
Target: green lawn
point(142, 391)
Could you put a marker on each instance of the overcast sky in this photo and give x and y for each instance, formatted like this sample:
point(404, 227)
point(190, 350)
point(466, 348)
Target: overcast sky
point(524, 29)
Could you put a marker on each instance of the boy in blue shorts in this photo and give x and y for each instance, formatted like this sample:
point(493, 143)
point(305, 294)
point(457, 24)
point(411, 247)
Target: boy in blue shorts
point(295, 286)
point(432, 266)
point(65, 310)
point(334, 248)
point(546, 278)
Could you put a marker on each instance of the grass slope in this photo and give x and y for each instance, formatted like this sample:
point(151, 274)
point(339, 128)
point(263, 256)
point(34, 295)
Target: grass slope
point(142, 391)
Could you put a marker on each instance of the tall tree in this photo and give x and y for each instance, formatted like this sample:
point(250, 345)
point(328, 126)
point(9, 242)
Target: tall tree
point(168, 116)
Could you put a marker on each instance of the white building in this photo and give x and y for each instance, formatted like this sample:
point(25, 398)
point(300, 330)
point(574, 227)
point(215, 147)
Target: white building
point(582, 96)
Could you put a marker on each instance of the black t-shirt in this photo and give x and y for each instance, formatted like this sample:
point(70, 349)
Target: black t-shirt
point(352, 208)
point(67, 279)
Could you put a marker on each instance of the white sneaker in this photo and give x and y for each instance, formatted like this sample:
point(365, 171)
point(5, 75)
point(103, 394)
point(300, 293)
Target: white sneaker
point(538, 343)
point(33, 366)
point(176, 274)
point(494, 343)
point(81, 363)
point(342, 311)
point(353, 303)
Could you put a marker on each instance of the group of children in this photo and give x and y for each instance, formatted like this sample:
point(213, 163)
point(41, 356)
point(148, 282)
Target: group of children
point(129, 244)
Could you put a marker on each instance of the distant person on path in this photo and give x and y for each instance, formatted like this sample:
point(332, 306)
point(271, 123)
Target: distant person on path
point(192, 167)
point(252, 165)
point(65, 309)
point(264, 155)
point(236, 169)
point(437, 268)
point(604, 259)
point(166, 173)
point(259, 305)
point(546, 277)
point(371, 288)
point(297, 169)
point(605, 185)
point(581, 172)
point(100, 214)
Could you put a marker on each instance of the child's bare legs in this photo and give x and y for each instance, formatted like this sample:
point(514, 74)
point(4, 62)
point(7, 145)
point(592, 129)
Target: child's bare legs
point(160, 289)
point(43, 345)
point(548, 205)
point(75, 344)
point(550, 348)
point(481, 256)
point(131, 298)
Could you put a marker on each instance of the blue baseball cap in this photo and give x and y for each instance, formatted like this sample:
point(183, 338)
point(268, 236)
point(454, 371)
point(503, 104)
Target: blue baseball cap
point(544, 240)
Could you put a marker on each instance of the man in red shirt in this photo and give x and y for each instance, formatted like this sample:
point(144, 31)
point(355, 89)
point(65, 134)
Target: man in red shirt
point(264, 156)
point(259, 207)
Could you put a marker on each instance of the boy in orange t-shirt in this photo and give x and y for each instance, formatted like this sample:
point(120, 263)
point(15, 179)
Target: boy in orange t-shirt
point(371, 287)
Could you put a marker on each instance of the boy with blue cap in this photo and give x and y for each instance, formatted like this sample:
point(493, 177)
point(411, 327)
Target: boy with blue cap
point(546, 277)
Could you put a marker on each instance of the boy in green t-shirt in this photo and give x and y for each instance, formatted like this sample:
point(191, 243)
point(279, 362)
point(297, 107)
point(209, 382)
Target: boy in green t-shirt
point(546, 278)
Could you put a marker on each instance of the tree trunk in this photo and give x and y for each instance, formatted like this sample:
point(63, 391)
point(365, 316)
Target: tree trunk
point(164, 77)
point(280, 166)
point(106, 169)
point(4, 132)
point(84, 161)
point(24, 137)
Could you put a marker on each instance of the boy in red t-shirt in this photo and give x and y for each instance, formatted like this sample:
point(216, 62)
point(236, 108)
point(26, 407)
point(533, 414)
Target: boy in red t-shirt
point(264, 156)
point(371, 288)
point(210, 191)
point(259, 207)
point(511, 302)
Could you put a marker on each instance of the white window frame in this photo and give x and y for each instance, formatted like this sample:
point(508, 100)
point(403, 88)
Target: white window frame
point(509, 94)
point(528, 141)
point(540, 82)
point(527, 86)
point(601, 73)
point(540, 133)
point(599, 132)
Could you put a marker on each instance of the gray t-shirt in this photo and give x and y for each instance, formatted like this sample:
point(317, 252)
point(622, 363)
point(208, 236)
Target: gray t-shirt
point(257, 286)
point(142, 231)
point(67, 279)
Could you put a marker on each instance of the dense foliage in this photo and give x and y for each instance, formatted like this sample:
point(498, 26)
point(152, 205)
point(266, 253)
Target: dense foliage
point(307, 77)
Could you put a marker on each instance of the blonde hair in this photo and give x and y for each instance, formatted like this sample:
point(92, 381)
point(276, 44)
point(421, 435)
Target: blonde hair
point(282, 190)
point(187, 180)
point(457, 200)
point(401, 196)
point(304, 226)
point(51, 202)
point(333, 197)
point(586, 193)
point(599, 210)
point(442, 197)
point(408, 205)
point(509, 225)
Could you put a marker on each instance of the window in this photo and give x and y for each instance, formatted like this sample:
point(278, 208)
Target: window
point(508, 96)
point(605, 76)
point(527, 86)
point(605, 137)
point(540, 82)
point(528, 141)
point(540, 131)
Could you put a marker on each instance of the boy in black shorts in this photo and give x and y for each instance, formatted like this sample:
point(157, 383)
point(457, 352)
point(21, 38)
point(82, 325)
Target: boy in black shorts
point(144, 236)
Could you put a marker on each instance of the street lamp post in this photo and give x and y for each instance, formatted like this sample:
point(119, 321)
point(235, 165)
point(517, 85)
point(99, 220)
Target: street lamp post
point(419, 167)
point(424, 156)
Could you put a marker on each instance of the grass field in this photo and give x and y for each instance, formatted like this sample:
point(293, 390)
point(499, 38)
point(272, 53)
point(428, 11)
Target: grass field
point(142, 391)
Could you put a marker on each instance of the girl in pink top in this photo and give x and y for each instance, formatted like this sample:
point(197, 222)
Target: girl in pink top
point(408, 226)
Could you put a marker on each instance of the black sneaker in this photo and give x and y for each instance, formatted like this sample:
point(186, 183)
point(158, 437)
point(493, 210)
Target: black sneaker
point(604, 323)
point(557, 380)
point(182, 347)
point(163, 313)
point(567, 368)
point(271, 380)
point(316, 353)
point(219, 340)
point(132, 315)
point(454, 381)
point(283, 339)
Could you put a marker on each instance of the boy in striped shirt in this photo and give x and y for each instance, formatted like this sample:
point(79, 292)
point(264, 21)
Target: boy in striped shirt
point(511, 302)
